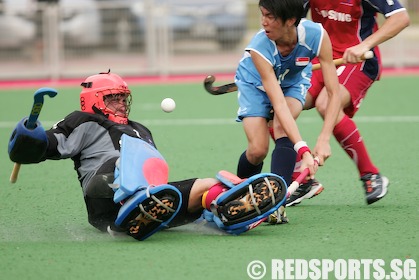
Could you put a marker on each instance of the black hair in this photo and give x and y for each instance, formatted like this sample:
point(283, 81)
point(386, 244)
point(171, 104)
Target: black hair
point(284, 9)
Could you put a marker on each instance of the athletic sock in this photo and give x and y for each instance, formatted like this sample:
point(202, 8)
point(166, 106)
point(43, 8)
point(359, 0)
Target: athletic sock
point(283, 159)
point(212, 194)
point(348, 136)
point(246, 169)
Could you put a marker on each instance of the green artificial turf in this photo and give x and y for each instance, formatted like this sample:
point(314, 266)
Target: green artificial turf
point(44, 233)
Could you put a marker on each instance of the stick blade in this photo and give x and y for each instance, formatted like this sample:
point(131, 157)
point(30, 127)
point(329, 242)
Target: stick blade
point(41, 92)
point(208, 82)
point(218, 90)
point(209, 79)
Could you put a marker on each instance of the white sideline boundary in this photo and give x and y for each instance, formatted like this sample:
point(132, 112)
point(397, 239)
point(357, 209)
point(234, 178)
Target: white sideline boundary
point(230, 121)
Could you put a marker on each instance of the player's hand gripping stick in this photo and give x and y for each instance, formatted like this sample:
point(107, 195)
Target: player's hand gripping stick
point(33, 117)
point(294, 185)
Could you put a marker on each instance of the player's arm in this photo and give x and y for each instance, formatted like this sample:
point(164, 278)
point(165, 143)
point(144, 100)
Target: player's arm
point(280, 106)
point(392, 26)
point(322, 148)
point(35, 145)
point(276, 96)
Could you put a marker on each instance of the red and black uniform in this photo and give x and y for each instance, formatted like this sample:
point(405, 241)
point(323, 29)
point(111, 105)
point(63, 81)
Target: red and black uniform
point(348, 23)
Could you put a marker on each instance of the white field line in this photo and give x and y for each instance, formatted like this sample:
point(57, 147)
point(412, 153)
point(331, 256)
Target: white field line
point(180, 122)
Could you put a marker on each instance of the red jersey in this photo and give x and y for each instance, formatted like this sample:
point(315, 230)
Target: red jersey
point(348, 22)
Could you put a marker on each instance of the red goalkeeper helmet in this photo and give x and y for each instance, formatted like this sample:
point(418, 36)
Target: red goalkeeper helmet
point(102, 93)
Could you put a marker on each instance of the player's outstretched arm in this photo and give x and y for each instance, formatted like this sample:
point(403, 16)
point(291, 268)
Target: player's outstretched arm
point(392, 26)
point(322, 149)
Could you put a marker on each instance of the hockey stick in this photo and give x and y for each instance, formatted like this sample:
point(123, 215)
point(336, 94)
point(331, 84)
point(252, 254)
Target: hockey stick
point(340, 61)
point(218, 90)
point(33, 117)
point(296, 183)
point(280, 213)
point(223, 89)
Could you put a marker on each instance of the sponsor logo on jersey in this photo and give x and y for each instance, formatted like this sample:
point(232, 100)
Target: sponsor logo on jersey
point(334, 15)
point(302, 61)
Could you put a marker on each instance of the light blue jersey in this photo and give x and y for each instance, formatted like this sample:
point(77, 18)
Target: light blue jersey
point(293, 71)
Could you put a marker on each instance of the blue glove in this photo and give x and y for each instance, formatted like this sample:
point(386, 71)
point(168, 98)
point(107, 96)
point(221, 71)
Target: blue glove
point(28, 145)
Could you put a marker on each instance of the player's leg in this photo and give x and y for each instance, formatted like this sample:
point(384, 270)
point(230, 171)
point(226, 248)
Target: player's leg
point(192, 192)
point(251, 160)
point(141, 214)
point(310, 188)
point(254, 111)
point(103, 211)
point(98, 196)
point(280, 165)
point(149, 203)
point(284, 155)
point(177, 203)
point(354, 86)
point(237, 200)
point(239, 204)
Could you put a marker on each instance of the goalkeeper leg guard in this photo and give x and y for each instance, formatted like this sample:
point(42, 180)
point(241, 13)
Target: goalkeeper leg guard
point(247, 202)
point(149, 210)
point(140, 165)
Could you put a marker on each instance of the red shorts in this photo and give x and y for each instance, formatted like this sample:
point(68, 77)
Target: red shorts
point(352, 78)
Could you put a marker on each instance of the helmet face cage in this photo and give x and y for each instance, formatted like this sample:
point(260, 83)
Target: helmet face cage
point(118, 104)
point(107, 93)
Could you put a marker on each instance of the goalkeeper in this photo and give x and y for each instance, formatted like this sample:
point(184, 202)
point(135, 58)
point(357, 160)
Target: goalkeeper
point(124, 178)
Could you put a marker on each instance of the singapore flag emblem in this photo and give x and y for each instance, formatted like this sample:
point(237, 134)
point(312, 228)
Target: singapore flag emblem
point(302, 61)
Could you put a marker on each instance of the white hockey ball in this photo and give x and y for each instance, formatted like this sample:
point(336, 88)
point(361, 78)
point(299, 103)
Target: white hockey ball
point(168, 105)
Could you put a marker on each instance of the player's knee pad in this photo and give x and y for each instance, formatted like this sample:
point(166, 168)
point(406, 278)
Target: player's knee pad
point(99, 186)
point(98, 196)
point(27, 145)
point(247, 202)
point(149, 210)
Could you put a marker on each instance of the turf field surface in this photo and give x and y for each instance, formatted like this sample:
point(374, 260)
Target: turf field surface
point(44, 232)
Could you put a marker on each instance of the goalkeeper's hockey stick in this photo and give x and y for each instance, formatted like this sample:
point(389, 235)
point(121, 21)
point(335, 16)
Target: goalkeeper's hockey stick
point(33, 117)
point(223, 89)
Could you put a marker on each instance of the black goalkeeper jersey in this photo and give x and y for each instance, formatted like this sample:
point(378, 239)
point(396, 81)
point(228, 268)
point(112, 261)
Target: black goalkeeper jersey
point(90, 140)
